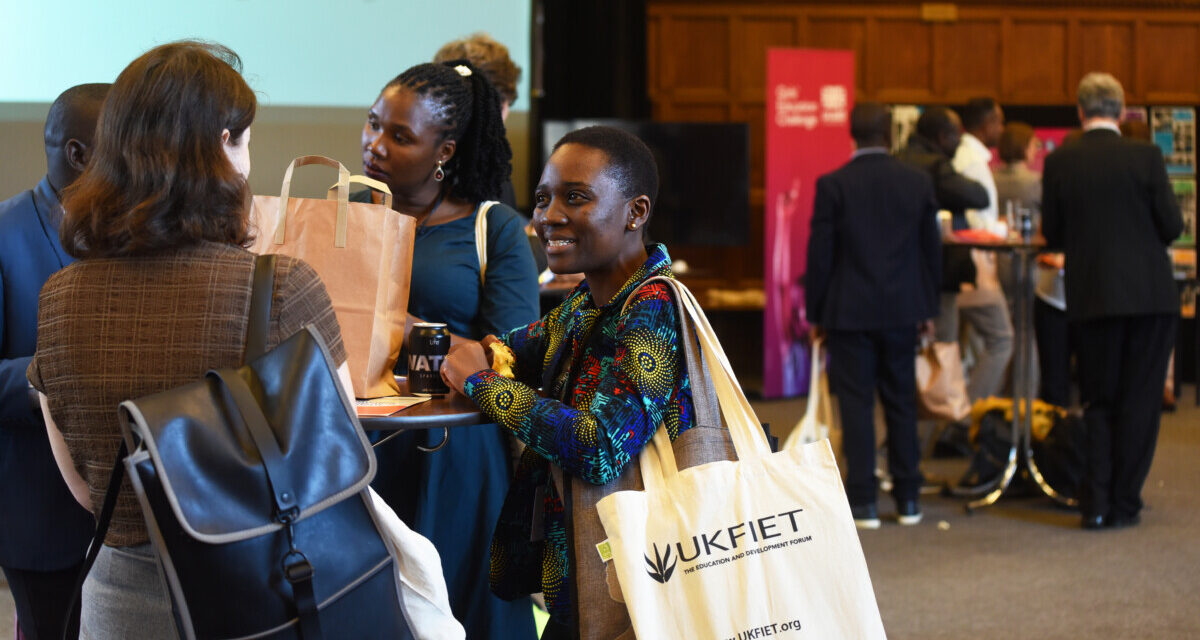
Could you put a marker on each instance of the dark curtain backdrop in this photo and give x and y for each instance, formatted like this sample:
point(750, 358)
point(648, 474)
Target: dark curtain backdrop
point(594, 59)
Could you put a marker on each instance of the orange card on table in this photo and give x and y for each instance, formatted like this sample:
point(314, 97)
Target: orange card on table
point(386, 405)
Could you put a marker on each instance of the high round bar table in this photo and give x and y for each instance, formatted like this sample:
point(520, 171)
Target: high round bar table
point(1024, 254)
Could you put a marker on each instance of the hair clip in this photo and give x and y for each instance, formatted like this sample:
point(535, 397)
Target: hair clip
point(463, 70)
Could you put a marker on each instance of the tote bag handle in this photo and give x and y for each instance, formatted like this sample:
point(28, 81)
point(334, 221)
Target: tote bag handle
point(749, 441)
point(481, 237)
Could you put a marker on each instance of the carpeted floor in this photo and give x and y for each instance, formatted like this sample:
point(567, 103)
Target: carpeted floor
point(1023, 568)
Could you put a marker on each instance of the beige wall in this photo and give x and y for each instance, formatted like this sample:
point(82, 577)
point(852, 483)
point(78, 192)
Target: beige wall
point(279, 134)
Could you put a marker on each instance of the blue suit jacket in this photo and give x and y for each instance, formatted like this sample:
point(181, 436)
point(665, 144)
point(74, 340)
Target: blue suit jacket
point(42, 527)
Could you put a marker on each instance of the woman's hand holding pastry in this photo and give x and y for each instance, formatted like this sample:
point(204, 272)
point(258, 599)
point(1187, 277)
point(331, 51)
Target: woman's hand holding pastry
point(488, 349)
point(463, 360)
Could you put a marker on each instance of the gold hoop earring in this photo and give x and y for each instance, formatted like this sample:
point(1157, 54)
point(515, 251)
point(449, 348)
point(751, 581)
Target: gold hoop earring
point(439, 174)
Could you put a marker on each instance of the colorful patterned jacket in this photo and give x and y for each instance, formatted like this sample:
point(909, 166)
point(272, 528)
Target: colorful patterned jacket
point(610, 378)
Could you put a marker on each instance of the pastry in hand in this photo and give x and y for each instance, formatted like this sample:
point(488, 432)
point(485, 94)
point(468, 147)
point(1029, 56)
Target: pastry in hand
point(503, 358)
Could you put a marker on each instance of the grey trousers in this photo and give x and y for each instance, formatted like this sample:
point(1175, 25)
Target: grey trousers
point(124, 597)
point(986, 312)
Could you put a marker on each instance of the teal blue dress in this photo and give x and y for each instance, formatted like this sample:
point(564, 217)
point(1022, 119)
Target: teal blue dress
point(453, 496)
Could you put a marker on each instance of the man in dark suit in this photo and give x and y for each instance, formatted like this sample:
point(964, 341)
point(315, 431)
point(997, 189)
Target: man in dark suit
point(874, 263)
point(1107, 202)
point(44, 532)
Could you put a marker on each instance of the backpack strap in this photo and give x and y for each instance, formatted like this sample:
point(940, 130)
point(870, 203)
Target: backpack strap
point(102, 522)
point(481, 236)
point(258, 322)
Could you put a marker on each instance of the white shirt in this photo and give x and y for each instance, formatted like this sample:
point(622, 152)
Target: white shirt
point(971, 160)
point(1102, 124)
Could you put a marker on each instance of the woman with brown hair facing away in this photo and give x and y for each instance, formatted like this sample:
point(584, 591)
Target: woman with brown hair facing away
point(160, 294)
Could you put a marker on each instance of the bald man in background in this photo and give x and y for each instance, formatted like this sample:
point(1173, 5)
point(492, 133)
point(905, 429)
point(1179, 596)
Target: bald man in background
point(44, 532)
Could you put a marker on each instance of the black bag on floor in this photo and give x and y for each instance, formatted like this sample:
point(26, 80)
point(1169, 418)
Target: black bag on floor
point(991, 445)
point(253, 484)
point(1060, 455)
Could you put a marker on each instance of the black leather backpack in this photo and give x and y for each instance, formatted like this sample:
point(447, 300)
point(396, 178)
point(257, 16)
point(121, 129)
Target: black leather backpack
point(253, 484)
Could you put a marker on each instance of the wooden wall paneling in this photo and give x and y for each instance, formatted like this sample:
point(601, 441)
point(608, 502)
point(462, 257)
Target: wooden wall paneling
point(753, 36)
point(1139, 78)
point(900, 61)
point(754, 115)
point(698, 52)
point(838, 32)
point(694, 112)
point(1170, 61)
point(707, 63)
point(654, 57)
point(968, 59)
point(1035, 62)
point(1105, 45)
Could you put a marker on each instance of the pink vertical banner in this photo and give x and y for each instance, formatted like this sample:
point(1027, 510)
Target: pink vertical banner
point(809, 96)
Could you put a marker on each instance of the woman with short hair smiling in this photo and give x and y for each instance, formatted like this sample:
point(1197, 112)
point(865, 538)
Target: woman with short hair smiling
point(611, 373)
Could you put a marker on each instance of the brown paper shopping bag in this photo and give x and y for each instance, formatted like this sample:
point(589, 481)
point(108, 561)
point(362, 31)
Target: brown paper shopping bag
point(941, 386)
point(363, 253)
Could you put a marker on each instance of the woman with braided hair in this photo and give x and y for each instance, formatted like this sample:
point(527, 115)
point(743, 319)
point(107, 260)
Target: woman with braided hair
point(435, 137)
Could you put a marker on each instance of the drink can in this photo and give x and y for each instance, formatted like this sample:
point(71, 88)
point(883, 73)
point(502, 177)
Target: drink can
point(428, 344)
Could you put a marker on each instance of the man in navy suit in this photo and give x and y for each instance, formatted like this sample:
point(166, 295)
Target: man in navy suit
point(874, 267)
point(1107, 202)
point(44, 532)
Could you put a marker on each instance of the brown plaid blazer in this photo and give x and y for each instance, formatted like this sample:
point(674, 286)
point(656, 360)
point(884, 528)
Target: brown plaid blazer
point(112, 329)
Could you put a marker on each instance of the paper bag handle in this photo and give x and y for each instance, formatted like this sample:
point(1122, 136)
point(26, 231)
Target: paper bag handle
point(333, 191)
point(343, 197)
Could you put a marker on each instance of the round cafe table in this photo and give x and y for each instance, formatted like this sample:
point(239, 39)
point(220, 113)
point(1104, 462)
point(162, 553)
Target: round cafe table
point(439, 412)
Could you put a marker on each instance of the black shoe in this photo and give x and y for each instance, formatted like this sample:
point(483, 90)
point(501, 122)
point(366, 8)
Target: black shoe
point(908, 512)
point(866, 516)
point(1121, 522)
point(1092, 523)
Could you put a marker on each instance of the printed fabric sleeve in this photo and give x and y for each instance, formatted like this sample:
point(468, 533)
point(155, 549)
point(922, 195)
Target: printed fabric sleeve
point(630, 400)
point(528, 345)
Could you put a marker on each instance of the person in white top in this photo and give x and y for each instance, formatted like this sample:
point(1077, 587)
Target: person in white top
point(981, 304)
point(983, 122)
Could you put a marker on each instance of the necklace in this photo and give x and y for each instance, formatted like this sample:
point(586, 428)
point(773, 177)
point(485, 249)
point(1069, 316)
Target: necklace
point(437, 202)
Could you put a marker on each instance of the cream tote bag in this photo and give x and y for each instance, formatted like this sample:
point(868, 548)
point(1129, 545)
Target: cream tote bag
point(817, 423)
point(763, 546)
point(424, 598)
